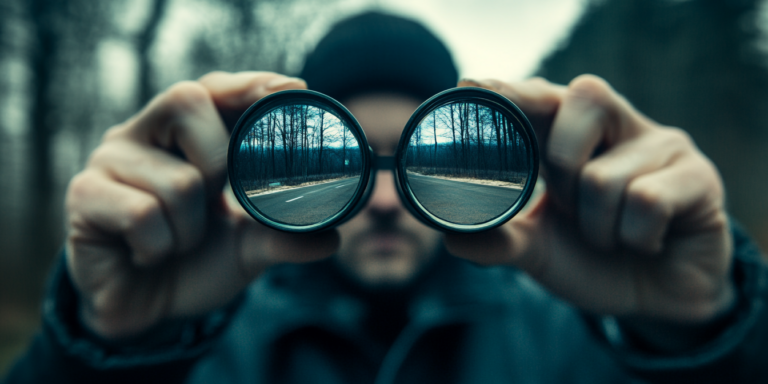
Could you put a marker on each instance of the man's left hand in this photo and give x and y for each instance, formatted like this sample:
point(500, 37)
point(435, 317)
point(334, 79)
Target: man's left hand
point(632, 222)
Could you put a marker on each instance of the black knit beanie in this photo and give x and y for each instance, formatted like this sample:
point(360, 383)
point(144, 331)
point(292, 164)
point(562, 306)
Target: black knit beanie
point(379, 52)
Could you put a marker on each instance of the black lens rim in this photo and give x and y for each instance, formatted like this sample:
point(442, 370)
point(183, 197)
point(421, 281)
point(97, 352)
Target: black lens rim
point(317, 99)
point(486, 97)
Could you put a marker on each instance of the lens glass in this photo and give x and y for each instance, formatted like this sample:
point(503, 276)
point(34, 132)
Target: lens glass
point(298, 164)
point(468, 161)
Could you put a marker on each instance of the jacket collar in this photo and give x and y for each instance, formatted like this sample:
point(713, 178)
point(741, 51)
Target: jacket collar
point(452, 288)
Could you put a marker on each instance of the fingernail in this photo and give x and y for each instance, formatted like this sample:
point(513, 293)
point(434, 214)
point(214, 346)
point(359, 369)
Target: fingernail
point(487, 84)
point(469, 83)
point(283, 82)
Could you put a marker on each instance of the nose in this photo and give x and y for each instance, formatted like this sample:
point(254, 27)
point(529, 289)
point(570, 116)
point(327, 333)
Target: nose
point(384, 199)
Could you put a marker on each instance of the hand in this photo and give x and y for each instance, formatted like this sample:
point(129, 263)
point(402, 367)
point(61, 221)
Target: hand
point(152, 233)
point(637, 230)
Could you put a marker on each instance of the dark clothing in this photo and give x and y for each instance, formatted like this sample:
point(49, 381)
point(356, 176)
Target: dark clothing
point(462, 324)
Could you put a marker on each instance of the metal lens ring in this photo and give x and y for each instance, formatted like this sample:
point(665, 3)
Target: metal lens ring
point(467, 160)
point(298, 161)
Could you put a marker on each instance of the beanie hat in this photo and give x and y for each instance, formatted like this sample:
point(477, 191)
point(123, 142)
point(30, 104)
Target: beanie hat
point(374, 51)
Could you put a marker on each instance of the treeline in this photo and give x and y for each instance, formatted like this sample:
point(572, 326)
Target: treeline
point(468, 140)
point(698, 65)
point(296, 144)
point(73, 68)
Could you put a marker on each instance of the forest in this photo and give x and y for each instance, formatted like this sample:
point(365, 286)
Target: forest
point(293, 145)
point(70, 69)
point(468, 140)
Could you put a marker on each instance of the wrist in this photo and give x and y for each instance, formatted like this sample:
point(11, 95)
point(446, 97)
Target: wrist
point(666, 336)
point(69, 325)
point(727, 356)
point(110, 330)
point(669, 337)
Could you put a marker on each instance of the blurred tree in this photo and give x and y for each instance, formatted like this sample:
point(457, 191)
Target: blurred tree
point(144, 42)
point(71, 68)
point(61, 59)
point(693, 64)
point(45, 49)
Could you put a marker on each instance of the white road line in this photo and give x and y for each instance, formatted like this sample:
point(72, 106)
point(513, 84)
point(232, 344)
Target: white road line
point(318, 190)
point(288, 201)
point(340, 186)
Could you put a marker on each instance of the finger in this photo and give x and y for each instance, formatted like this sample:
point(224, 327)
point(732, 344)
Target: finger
point(509, 244)
point(184, 119)
point(204, 283)
point(98, 204)
point(536, 97)
point(604, 179)
point(264, 246)
point(591, 114)
point(233, 93)
point(115, 302)
point(274, 247)
point(542, 243)
point(176, 184)
point(657, 200)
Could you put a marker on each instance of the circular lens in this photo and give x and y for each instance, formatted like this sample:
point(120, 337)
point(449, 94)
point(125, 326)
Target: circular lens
point(297, 161)
point(467, 160)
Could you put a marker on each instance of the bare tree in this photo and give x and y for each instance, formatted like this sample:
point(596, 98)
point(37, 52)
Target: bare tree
point(143, 43)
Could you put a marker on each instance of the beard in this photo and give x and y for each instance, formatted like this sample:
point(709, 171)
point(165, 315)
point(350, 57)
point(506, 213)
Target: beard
point(385, 253)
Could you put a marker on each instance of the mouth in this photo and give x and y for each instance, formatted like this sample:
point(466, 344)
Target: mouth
point(387, 244)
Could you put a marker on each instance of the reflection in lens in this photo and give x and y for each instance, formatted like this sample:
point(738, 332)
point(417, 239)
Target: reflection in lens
point(467, 163)
point(298, 164)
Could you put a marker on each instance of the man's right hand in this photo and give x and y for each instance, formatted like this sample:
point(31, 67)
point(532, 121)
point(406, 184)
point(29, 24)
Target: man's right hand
point(153, 234)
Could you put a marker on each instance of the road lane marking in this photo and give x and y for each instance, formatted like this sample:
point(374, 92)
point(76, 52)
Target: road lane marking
point(318, 190)
point(288, 201)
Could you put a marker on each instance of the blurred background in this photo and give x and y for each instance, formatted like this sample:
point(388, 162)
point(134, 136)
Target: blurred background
point(69, 69)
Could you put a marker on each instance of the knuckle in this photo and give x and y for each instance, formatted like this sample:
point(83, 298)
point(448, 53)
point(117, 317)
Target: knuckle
point(186, 96)
point(187, 181)
point(590, 87)
point(113, 132)
point(680, 135)
point(79, 188)
point(539, 81)
point(597, 179)
point(720, 223)
point(140, 212)
point(101, 155)
point(76, 194)
point(677, 138)
point(79, 195)
point(649, 198)
point(213, 75)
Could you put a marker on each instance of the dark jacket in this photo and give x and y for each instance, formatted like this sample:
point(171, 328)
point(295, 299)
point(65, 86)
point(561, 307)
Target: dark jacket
point(462, 324)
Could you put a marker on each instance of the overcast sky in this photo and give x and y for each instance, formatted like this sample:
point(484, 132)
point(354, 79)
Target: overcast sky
point(504, 39)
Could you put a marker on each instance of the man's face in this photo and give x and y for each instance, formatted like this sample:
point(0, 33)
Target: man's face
point(384, 246)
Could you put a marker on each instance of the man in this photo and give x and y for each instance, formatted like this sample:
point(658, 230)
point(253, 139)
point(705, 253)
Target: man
point(166, 279)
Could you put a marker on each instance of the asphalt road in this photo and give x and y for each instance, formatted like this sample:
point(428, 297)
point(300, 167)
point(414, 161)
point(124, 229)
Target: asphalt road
point(306, 205)
point(461, 202)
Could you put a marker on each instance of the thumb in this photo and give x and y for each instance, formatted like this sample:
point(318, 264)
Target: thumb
point(536, 97)
point(515, 243)
point(233, 93)
point(542, 243)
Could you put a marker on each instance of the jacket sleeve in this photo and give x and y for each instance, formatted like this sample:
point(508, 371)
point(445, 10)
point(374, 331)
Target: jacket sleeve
point(65, 352)
point(737, 354)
